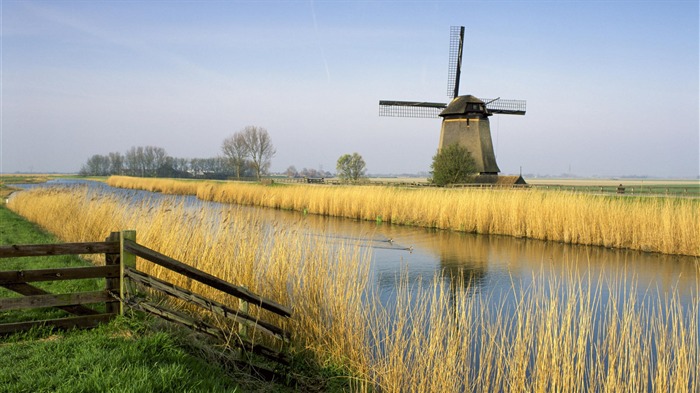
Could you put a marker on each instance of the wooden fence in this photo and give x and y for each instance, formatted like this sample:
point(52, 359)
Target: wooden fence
point(120, 273)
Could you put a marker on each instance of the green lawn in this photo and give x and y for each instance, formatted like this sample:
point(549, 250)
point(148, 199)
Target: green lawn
point(117, 357)
point(126, 355)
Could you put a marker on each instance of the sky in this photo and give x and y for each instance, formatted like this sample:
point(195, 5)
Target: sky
point(612, 87)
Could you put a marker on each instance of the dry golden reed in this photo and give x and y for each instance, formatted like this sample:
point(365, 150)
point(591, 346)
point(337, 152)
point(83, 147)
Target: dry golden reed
point(665, 225)
point(275, 262)
point(556, 337)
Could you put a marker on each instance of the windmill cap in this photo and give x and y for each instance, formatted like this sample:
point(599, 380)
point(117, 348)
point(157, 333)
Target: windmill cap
point(463, 105)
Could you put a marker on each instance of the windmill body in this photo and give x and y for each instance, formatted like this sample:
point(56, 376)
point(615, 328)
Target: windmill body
point(465, 120)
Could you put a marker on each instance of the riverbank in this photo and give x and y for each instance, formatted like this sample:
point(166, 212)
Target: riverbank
point(131, 353)
point(664, 225)
point(559, 334)
point(126, 355)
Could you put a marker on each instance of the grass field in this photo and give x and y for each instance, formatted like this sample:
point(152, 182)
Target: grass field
point(614, 182)
point(558, 337)
point(638, 187)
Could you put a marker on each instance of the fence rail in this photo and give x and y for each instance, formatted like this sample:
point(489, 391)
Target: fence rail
point(205, 278)
point(120, 274)
point(19, 281)
point(39, 250)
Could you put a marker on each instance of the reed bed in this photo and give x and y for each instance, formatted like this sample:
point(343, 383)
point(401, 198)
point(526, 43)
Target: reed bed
point(555, 335)
point(664, 225)
point(237, 246)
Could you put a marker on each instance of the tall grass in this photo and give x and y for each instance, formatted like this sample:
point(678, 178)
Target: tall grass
point(273, 261)
point(665, 225)
point(555, 335)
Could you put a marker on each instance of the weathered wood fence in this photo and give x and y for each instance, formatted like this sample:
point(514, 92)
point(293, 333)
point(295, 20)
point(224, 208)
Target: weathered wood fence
point(120, 273)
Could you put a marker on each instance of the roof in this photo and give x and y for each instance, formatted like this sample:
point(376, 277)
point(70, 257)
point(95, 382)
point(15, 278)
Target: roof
point(499, 180)
point(460, 106)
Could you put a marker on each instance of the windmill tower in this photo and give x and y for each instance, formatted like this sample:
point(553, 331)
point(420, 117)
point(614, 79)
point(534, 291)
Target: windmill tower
point(465, 120)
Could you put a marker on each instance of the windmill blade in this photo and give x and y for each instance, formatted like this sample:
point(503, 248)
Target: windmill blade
point(505, 107)
point(410, 109)
point(454, 66)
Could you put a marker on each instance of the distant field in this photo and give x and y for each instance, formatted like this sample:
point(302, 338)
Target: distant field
point(14, 178)
point(640, 187)
point(567, 182)
point(651, 187)
point(615, 182)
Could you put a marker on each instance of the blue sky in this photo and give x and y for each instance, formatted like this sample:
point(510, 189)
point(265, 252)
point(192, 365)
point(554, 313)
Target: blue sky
point(611, 86)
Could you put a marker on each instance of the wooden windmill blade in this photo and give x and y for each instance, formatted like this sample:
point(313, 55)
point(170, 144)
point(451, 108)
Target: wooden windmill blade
point(505, 107)
point(454, 66)
point(431, 110)
point(410, 109)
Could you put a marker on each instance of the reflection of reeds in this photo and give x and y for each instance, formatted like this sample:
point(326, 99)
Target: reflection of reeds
point(557, 336)
point(560, 334)
point(666, 225)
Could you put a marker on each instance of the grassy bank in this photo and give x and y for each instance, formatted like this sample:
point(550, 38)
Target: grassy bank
point(126, 355)
point(558, 337)
point(665, 225)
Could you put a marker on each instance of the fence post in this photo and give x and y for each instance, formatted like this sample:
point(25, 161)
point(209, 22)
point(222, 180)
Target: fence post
point(125, 259)
point(242, 328)
point(112, 284)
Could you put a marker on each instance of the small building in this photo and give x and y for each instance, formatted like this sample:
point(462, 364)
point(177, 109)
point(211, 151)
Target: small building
point(497, 180)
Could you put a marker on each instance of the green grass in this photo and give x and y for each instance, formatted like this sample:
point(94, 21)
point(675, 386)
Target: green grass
point(125, 355)
point(130, 354)
point(653, 189)
point(117, 357)
point(15, 230)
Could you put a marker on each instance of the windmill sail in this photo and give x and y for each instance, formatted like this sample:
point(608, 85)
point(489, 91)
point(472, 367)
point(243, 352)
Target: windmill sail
point(433, 109)
point(465, 120)
point(454, 66)
point(410, 109)
point(505, 107)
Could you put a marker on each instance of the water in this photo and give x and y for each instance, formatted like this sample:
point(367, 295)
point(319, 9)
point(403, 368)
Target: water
point(496, 266)
point(492, 264)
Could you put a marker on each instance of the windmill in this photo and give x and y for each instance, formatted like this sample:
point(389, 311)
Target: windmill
point(465, 120)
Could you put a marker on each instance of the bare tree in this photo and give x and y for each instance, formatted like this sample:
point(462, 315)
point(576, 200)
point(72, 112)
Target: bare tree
point(97, 165)
point(116, 163)
point(154, 158)
point(291, 171)
point(252, 146)
point(144, 161)
point(260, 148)
point(134, 161)
point(235, 150)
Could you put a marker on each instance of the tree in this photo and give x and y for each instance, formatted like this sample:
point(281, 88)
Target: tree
point(291, 171)
point(133, 160)
point(313, 173)
point(351, 167)
point(250, 146)
point(260, 149)
point(236, 151)
point(97, 165)
point(116, 163)
point(452, 165)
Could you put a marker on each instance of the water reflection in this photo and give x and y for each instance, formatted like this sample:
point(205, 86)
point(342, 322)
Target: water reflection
point(484, 263)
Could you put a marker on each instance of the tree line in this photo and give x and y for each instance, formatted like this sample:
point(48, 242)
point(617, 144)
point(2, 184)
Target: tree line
point(152, 161)
point(247, 153)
